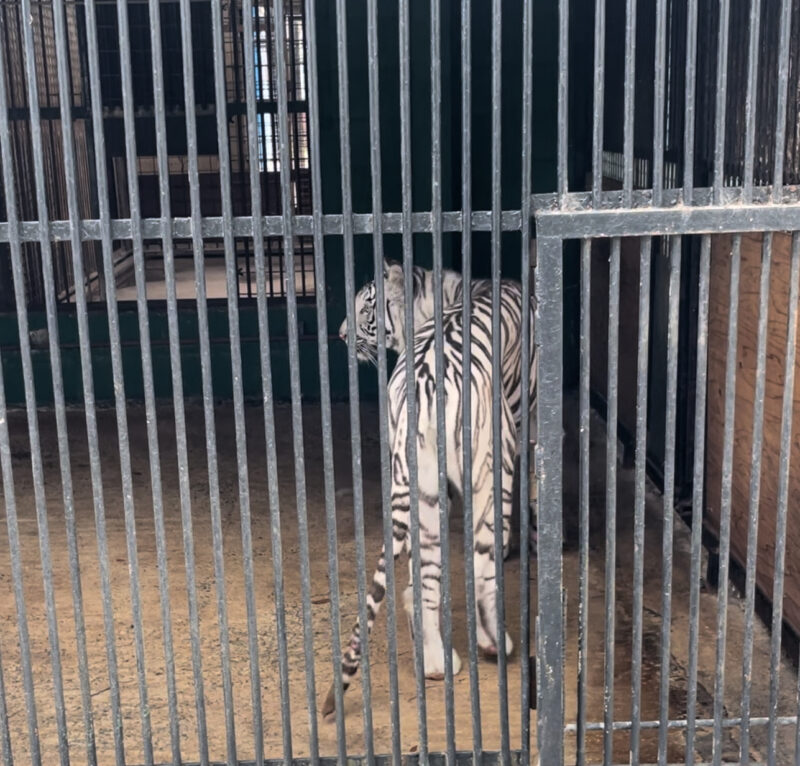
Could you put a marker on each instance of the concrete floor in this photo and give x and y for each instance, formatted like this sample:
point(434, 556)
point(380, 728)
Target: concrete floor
point(320, 606)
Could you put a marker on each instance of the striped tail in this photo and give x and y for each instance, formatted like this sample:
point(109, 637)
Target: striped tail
point(351, 656)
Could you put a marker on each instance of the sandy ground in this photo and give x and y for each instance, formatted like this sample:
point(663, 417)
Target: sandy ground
point(299, 680)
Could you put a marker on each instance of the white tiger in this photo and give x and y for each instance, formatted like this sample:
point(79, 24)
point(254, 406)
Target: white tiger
point(422, 307)
point(482, 445)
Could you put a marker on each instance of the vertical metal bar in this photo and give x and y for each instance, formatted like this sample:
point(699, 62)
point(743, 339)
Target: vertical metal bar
point(496, 244)
point(726, 496)
point(268, 402)
point(750, 100)
point(411, 398)
point(271, 55)
point(94, 457)
point(782, 99)
point(203, 334)
point(237, 95)
point(669, 494)
point(294, 375)
point(639, 493)
point(5, 733)
point(12, 524)
point(599, 98)
point(721, 100)
point(172, 316)
point(783, 502)
point(116, 360)
point(383, 409)
point(352, 370)
point(295, 136)
point(701, 376)
point(583, 501)
point(755, 490)
point(550, 630)
point(611, 500)
point(563, 98)
point(629, 94)
point(263, 92)
point(223, 150)
point(466, 381)
point(689, 101)
point(260, 87)
point(526, 361)
point(660, 77)
point(147, 368)
point(232, 290)
point(438, 343)
point(36, 464)
point(797, 727)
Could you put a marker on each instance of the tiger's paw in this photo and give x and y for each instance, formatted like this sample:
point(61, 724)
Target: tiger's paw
point(489, 648)
point(434, 665)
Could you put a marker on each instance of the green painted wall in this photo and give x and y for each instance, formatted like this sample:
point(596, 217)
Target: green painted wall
point(544, 142)
point(190, 355)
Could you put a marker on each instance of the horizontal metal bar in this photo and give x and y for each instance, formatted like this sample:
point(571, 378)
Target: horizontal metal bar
point(666, 221)
point(129, 2)
point(555, 220)
point(411, 759)
point(670, 198)
point(699, 723)
point(302, 225)
point(232, 109)
point(489, 758)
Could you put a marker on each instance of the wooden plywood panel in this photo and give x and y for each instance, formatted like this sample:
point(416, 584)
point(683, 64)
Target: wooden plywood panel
point(745, 394)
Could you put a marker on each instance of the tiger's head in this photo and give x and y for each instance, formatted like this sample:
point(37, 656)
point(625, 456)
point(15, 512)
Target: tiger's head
point(366, 320)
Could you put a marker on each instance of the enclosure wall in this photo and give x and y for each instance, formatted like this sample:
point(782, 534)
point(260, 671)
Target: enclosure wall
point(745, 393)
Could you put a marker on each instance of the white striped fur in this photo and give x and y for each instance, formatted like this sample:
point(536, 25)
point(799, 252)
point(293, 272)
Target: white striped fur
point(425, 428)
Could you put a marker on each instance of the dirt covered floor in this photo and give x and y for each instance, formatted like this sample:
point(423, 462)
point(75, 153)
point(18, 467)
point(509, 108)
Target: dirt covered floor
point(236, 614)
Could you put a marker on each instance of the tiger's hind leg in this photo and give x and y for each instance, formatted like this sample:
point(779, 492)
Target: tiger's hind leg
point(484, 552)
point(431, 570)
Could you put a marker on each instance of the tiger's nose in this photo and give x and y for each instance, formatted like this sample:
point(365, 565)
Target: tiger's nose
point(343, 330)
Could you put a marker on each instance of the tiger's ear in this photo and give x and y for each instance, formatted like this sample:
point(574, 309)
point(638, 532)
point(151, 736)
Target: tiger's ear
point(392, 271)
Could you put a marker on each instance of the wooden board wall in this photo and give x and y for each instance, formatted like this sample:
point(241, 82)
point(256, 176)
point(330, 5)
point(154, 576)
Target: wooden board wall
point(745, 392)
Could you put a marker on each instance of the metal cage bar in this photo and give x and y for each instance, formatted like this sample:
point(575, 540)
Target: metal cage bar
point(254, 97)
point(294, 374)
point(411, 398)
point(438, 317)
point(352, 371)
point(325, 396)
point(669, 488)
point(497, 444)
point(466, 372)
point(383, 414)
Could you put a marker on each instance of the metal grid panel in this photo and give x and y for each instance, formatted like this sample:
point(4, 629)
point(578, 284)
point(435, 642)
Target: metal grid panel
point(734, 133)
point(42, 220)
